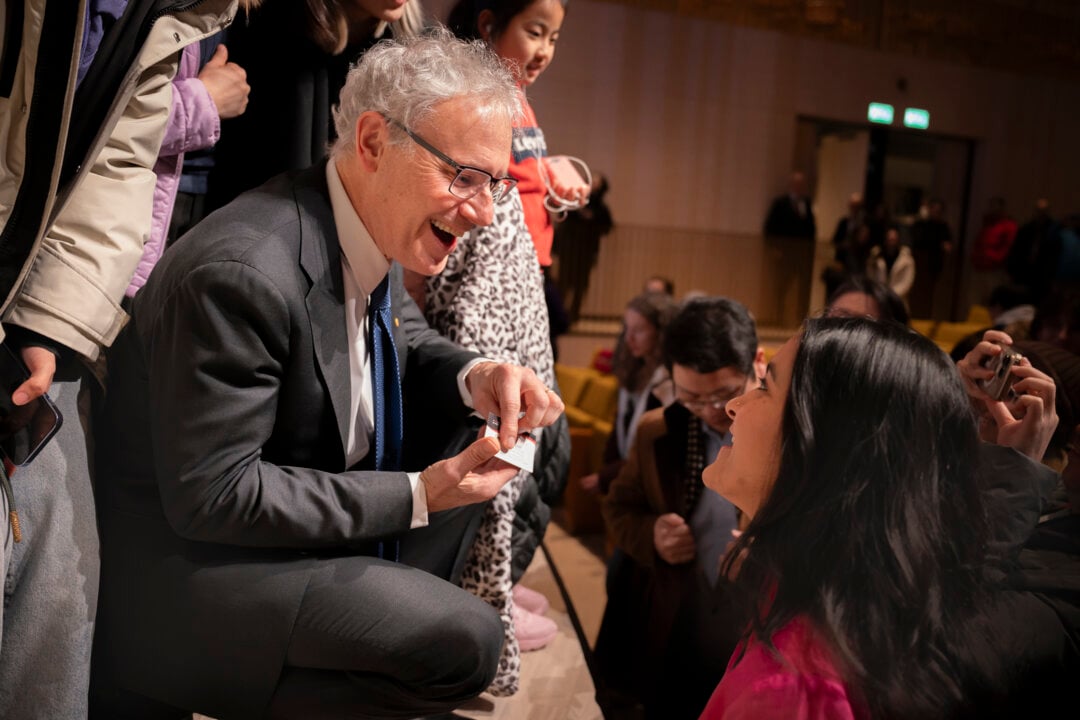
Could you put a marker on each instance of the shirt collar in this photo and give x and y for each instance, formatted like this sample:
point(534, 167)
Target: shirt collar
point(722, 438)
point(362, 256)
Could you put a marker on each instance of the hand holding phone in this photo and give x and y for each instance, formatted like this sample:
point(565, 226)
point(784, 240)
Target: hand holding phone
point(24, 429)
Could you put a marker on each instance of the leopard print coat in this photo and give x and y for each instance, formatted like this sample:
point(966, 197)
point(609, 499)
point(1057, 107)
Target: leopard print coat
point(490, 298)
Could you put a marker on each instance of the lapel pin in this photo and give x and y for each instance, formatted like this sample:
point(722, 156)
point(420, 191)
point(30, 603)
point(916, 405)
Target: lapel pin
point(396, 322)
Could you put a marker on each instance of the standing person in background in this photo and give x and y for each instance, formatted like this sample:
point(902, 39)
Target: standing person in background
point(931, 243)
point(86, 100)
point(1033, 259)
point(990, 250)
point(201, 99)
point(892, 264)
point(790, 232)
point(848, 240)
point(296, 54)
point(577, 245)
point(523, 33)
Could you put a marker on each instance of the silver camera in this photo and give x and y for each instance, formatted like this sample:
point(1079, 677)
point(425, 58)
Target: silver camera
point(999, 387)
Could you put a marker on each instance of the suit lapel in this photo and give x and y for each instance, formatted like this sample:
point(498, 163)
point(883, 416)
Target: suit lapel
point(320, 258)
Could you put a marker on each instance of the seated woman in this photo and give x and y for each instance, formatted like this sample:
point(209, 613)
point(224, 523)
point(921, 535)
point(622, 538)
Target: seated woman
point(865, 556)
point(643, 380)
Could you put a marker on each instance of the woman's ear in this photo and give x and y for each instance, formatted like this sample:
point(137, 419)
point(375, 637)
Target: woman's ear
point(485, 24)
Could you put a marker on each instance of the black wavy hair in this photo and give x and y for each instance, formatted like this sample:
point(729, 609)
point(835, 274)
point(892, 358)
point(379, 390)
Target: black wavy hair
point(875, 528)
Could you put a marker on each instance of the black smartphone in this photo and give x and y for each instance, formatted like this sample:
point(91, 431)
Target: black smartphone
point(24, 429)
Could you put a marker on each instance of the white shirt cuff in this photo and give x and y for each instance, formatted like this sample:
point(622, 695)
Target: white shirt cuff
point(419, 502)
point(466, 396)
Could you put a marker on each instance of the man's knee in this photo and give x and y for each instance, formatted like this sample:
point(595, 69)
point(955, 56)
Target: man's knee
point(470, 645)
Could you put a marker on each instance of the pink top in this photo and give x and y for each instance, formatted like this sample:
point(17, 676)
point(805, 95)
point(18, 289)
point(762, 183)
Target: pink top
point(803, 684)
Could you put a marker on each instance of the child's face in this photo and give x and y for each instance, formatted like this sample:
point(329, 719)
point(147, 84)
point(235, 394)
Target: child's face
point(528, 43)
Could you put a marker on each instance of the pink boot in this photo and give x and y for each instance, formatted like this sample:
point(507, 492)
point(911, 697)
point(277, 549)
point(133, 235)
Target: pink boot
point(533, 631)
point(530, 600)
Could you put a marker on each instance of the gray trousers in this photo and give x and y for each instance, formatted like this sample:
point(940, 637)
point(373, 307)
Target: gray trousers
point(50, 579)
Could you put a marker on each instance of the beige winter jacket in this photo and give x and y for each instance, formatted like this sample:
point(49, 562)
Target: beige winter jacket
point(91, 232)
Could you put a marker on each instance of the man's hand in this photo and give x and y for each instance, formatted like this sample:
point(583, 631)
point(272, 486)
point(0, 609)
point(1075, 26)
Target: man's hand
point(507, 390)
point(590, 483)
point(673, 540)
point(473, 475)
point(42, 366)
point(227, 84)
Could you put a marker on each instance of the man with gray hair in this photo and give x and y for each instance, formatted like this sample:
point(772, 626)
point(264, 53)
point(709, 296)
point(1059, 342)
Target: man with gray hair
point(265, 552)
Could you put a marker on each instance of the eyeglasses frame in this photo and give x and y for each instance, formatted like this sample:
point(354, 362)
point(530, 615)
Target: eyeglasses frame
point(494, 184)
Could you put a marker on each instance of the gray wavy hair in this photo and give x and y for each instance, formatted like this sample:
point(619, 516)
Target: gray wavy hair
point(404, 79)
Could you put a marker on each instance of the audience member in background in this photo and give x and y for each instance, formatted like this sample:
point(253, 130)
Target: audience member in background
point(659, 284)
point(668, 628)
point(1057, 319)
point(931, 243)
point(892, 264)
point(523, 33)
point(558, 317)
point(201, 99)
point(257, 492)
point(577, 245)
point(868, 575)
point(87, 95)
point(296, 54)
point(790, 232)
point(1068, 265)
point(1033, 259)
point(990, 250)
point(490, 299)
point(1010, 313)
point(860, 296)
point(644, 382)
point(1011, 310)
point(849, 240)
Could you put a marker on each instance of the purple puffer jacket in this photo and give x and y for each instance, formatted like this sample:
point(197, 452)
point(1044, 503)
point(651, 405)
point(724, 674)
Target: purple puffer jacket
point(193, 125)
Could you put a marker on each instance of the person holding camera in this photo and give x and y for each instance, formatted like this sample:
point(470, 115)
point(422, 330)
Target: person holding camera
point(877, 580)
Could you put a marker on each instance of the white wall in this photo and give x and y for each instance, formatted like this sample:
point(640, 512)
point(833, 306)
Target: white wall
point(694, 122)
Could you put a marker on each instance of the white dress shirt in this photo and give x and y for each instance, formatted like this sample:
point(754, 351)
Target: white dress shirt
point(363, 267)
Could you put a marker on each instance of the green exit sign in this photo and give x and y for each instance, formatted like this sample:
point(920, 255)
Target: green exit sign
point(916, 118)
point(879, 113)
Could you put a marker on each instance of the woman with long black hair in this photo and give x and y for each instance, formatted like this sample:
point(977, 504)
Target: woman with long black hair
point(867, 556)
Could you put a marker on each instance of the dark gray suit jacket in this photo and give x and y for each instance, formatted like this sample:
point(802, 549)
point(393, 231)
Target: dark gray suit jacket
point(221, 450)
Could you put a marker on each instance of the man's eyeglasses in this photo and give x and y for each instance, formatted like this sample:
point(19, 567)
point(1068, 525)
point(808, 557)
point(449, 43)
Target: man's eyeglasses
point(468, 181)
point(713, 402)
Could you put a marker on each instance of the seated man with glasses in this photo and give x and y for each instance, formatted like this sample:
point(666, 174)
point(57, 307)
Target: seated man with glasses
point(667, 629)
point(271, 545)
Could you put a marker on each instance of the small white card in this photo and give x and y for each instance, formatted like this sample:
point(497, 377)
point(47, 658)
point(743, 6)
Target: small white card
point(523, 454)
